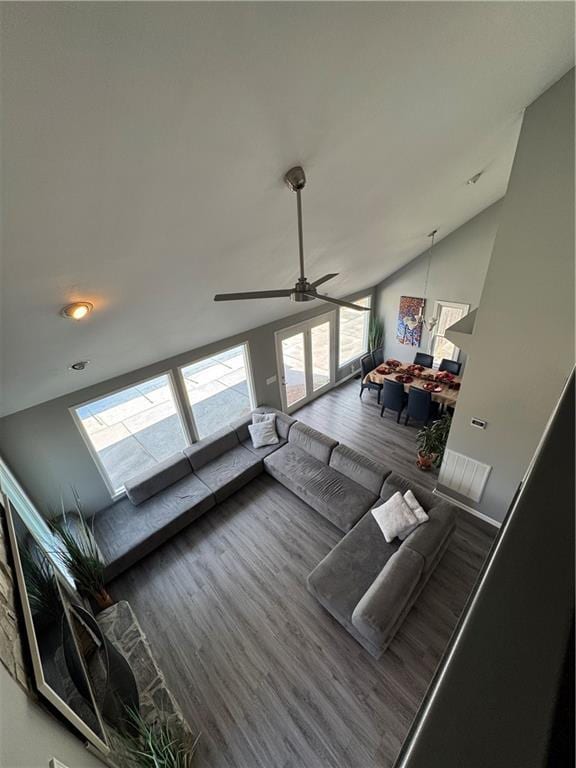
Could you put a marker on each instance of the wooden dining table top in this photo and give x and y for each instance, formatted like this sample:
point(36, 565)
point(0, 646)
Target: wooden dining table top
point(446, 396)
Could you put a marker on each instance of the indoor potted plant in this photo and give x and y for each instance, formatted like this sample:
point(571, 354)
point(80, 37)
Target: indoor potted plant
point(375, 333)
point(431, 441)
point(81, 557)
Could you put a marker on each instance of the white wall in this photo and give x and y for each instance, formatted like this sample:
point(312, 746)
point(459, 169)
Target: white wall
point(525, 323)
point(29, 737)
point(457, 271)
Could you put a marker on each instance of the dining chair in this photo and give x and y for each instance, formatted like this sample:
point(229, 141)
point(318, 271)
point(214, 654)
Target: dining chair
point(378, 355)
point(394, 398)
point(367, 365)
point(451, 366)
point(420, 406)
point(421, 358)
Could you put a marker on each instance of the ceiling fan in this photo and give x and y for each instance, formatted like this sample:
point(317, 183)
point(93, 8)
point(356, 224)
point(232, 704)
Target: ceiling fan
point(303, 290)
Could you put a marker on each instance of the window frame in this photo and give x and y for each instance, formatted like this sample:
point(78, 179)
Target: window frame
point(114, 493)
point(438, 305)
point(195, 435)
point(368, 315)
point(305, 327)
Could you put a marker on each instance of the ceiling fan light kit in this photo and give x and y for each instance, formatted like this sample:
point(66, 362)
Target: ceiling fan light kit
point(303, 290)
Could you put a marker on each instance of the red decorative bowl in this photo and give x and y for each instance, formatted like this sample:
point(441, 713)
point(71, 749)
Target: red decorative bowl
point(384, 370)
point(403, 379)
point(430, 386)
point(393, 363)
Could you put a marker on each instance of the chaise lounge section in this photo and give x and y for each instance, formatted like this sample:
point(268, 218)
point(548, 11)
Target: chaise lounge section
point(369, 585)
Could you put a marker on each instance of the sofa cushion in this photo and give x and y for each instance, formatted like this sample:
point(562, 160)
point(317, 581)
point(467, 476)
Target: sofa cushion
point(394, 517)
point(395, 482)
point(263, 434)
point(377, 612)
point(428, 539)
point(359, 468)
point(333, 495)
point(311, 441)
point(156, 479)
point(342, 578)
point(230, 471)
point(209, 448)
point(283, 421)
point(125, 534)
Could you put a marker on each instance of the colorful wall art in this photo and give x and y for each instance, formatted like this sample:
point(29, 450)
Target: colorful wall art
point(410, 317)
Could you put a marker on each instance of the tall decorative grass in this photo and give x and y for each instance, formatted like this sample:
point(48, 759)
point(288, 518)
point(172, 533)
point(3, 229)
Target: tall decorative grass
point(81, 558)
point(157, 745)
point(375, 333)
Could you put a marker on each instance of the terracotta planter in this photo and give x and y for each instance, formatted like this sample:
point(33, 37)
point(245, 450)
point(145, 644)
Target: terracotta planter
point(425, 462)
point(103, 599)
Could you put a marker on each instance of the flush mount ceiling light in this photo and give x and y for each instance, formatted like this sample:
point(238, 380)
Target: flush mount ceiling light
point(474, 179)
point(77, 310)
point(79, 366)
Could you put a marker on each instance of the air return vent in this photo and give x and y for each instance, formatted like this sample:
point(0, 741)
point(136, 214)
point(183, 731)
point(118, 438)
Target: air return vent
point(464, 475)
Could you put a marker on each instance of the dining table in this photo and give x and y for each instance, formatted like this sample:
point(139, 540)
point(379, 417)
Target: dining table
point(445, 392)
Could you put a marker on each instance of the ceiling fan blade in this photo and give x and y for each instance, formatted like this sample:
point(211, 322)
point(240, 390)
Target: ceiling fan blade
point(323, 279)
point(284, 293)
point(339, 302)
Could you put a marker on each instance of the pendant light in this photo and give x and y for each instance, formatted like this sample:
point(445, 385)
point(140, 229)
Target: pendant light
point(432, 322)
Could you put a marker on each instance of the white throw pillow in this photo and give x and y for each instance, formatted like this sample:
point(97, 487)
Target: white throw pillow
point(263, 433)
point(394, 517)
point(421, 516)
point(258, 418)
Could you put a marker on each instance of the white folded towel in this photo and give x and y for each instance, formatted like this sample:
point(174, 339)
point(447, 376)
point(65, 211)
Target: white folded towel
point(395, 517)
point(420, 515)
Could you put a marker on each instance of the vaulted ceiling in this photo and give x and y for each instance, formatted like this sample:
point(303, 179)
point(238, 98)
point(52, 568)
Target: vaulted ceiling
point(143, 148)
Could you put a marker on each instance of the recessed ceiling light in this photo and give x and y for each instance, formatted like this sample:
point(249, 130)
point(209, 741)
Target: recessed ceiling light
point(77, 310)
point(474, 179)
point(79, 366)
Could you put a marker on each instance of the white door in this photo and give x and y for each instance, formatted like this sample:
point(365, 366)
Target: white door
point(306, 360)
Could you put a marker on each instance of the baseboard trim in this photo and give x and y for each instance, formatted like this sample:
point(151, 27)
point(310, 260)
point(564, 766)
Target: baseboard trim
point(466, 508)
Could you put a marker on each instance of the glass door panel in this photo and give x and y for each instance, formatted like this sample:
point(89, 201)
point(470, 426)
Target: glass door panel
point(320, 355)
point(294, 368)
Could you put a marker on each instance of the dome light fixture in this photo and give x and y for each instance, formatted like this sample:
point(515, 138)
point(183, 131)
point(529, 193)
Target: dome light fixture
point(77, 311)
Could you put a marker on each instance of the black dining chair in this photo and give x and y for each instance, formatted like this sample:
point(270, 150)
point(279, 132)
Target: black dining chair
point(421, 358)
point(394, 398)
point(378, 355)
point(451, 366)
point(367, 365)
point(420, 406)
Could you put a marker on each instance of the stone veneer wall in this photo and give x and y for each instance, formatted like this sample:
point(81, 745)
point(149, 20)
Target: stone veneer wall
point(10, 641)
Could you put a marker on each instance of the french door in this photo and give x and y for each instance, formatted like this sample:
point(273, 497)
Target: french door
point(306, 360)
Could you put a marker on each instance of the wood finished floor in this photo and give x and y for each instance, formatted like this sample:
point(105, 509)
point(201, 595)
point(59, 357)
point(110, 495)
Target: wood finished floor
point(267, 676)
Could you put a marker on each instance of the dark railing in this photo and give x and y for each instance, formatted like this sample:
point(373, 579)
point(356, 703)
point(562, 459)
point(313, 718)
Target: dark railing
point(503, 694)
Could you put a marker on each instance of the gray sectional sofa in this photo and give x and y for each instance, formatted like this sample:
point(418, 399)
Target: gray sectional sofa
point(366, 584)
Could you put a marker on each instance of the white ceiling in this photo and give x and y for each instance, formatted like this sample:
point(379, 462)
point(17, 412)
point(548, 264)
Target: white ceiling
point(144, 147)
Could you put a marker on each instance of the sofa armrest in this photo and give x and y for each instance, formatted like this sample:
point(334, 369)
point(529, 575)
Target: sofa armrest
point(378, 611)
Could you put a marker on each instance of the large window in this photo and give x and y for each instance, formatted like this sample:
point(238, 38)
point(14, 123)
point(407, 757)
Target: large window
point(353, 336)
point(446, 313)
point(132, 430)
point(219, 389)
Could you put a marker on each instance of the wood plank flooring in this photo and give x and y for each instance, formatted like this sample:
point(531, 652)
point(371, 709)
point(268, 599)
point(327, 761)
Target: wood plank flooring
point(267, 676)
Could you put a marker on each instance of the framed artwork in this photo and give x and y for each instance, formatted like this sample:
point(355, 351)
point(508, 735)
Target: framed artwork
point(410, 320)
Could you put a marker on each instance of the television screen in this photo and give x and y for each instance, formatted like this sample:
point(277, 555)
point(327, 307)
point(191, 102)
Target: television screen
point(67, 665)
